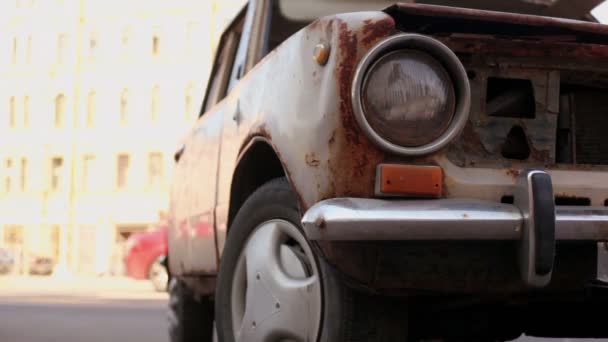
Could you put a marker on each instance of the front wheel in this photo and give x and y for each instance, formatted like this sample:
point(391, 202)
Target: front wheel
point(190, 318)
point(273, 287)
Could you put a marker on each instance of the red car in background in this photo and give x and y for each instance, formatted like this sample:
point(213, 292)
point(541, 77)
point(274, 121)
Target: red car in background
point(144, 257)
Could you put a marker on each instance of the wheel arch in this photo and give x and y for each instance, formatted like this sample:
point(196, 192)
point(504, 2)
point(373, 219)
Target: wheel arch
point(258, 163)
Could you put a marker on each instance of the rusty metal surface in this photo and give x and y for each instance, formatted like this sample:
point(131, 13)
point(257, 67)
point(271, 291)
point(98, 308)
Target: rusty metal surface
point(563, 49)
point(287, 97)
point(303, 111)
point(558, 8)
point(485, 135)
point(548, 65)
point(336, 159)
point(191, 236)
point(435, 19)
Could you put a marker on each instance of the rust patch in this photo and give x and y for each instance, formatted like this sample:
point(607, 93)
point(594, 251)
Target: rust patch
point(488, 44)
point(470, 139)
point(373, 30)
point(332, 139)
point(543, 156)
point(353, 158)
point(513, 173)
point(345, 71)
point(311, 160)
point(320, 222)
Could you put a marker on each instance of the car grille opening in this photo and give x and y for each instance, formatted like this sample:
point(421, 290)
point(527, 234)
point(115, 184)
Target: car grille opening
point(572, 201)
point(510, 97)
point(516, 145)
point(582, 126)
point(507, 199)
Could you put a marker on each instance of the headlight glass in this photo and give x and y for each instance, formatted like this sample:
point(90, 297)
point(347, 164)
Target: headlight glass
point(408, 98)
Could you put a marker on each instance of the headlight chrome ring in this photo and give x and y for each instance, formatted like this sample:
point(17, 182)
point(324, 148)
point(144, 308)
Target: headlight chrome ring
point(448, 60)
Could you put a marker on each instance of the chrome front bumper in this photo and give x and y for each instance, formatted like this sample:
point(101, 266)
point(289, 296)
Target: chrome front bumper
point(449, 219)
point(532, 219)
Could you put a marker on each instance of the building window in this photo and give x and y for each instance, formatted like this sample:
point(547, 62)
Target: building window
point(188, 105)
point(155, 169)
point(125, 38)
point(28, 50)
point(155, 103)
point(93, 45)
point(59, 110)
point(91, 106)
point(8, 174)
point(56, 173)
point(124, 106)
point(88, 168)
point(26, 110)
point(23, 174)
point(61, 47)
point(155, 45)
point(122, 171)
point(12, 112)
point(190, 30)
point(14, 51)
point(13, 236)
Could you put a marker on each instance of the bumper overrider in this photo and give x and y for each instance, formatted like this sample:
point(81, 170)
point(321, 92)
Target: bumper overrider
point(533, 220)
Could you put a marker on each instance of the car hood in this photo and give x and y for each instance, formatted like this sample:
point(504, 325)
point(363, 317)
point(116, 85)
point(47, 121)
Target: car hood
point(432, 19)
point(578, 9)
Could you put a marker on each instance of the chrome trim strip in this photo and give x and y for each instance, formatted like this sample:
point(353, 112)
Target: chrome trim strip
point(445, 219)
point(447, 58)
point(581, 223)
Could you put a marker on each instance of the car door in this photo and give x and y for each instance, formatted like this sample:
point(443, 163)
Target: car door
point(191, 236)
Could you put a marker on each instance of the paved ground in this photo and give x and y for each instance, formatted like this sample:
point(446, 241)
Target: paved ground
point(47, 309)
point(81, 310)
point(78, 322)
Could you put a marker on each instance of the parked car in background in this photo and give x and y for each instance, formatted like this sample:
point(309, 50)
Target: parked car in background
point(41, 265)
point(7, 261)
point(144, 257)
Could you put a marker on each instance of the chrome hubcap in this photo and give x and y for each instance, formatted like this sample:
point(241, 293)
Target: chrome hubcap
point(159, 275)
point(276, 294)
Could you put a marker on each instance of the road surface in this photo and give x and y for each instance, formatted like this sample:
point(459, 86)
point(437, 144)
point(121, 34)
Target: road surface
point(92, 310)
point(83, 321)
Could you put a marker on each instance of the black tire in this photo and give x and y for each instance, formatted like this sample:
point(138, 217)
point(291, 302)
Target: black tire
point(190, 320)
point(346, 315)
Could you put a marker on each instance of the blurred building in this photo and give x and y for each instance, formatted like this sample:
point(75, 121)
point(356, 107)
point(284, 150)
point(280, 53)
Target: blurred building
point(94, 98)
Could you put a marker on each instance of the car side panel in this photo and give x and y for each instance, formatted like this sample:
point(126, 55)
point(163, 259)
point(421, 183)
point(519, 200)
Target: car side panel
point(303, 110)
point(191, 233)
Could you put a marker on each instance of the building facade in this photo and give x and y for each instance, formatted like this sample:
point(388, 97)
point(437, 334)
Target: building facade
point(95, 96)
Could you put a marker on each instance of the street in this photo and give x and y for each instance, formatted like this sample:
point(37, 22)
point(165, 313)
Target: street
point(112, 320)
point(47, 310)
point(43, 309)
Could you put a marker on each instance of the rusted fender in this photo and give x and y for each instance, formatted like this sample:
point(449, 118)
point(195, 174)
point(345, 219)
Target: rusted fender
point(304, 110)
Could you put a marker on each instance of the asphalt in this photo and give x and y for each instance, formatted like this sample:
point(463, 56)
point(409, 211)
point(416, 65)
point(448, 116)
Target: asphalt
point(72, 309)
point(46, 309)
point(101, 321)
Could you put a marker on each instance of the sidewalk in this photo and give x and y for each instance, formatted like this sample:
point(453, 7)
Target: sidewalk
point(12, 287)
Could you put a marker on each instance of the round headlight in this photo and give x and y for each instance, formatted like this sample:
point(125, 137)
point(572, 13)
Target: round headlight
point(411, 95)
point(408, 98)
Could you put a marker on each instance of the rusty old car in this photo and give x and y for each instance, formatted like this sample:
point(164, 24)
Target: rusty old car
point(395, 172)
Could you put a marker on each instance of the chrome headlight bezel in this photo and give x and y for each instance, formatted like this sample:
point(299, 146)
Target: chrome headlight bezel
point(446, 58)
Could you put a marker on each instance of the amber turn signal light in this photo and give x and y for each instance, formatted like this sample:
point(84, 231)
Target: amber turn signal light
point(409, 180)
